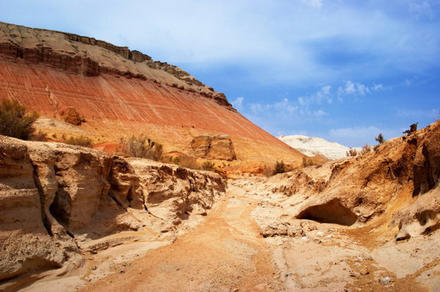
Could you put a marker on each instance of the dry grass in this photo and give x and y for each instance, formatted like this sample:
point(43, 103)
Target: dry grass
point(352, 152)
point(307, 162)
point(79, 141)
point(15, 120)
point(208, 165)
point(141, 146)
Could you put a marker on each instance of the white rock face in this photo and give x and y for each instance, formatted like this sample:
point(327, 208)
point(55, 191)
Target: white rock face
point(312, 146)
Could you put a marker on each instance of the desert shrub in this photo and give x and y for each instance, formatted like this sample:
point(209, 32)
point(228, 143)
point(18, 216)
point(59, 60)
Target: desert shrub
point(280, 167)
point(366, 149)
point(267, 171)
point(380, 138)
point(412, 129)
point(352, 152)
point(208, 165)
point(141, 146)
point(80, 141)
point(307, 162)
point(15, 120)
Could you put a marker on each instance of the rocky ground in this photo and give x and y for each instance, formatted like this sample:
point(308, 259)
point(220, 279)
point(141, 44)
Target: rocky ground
point(231, 250)
point(74, 218)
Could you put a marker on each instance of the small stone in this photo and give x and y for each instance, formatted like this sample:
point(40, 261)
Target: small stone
point(364, 271)
point(385, 280)
point(304, 238)
point(320, 233)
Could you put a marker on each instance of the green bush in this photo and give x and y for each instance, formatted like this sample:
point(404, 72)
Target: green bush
point(15, 120)
point(141, 146)
point(80, 141)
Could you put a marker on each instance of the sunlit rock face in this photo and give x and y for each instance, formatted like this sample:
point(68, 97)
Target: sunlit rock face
point(312, 146)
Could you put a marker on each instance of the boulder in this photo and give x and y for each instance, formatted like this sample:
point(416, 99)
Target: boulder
point(213, 147)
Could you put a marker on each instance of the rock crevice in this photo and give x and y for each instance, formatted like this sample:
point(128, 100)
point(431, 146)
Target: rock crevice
point(55, 197)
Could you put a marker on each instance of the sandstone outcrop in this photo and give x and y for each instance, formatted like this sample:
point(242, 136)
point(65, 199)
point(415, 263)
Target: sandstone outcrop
point(213, 147)
point(401, 174)
point(122, 93)
point(55, 198)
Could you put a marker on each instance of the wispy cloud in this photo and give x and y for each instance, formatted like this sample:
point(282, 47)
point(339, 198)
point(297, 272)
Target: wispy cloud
point(278, 41)
point(359, 136)
point(355, 88)
point(418, 113)
point(314, 3)
point(422, 8)
point(238, 102)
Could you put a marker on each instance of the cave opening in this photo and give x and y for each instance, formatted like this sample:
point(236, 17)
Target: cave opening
point(331, 212)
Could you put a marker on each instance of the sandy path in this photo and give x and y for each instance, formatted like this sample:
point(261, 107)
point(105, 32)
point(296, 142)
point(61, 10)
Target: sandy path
point(225, 252)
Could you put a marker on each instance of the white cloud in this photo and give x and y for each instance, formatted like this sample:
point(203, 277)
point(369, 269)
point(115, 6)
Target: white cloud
point(314, 3)
point(322, 96)
point(355, 88)
point(250, 34)
point(377, 87)
point(421, 8)
point(238, 102)
point(359, 136)
point(418, 113)
point(283, 106)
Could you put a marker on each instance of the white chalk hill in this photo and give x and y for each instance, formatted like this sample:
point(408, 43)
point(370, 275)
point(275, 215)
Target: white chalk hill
point(312, 146)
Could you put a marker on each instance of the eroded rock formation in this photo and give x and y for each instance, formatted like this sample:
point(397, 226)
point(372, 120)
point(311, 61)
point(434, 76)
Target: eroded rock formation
point(55, 198)
point(213, 147)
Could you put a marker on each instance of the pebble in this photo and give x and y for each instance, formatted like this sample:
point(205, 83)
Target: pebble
point(320, 233)
point(385, 280)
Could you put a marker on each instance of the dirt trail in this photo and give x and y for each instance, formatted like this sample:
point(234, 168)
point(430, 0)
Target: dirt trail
point(225, 252)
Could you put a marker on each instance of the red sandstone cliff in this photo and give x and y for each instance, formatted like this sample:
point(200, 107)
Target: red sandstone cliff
point(121, 92)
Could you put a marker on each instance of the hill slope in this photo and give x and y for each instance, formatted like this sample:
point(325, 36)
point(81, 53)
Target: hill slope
point(312, 146)
point(121, 92)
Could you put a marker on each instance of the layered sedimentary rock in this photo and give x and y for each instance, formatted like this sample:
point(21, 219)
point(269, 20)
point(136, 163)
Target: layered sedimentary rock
point(121, 92)
point(213, 147)
point(55, 198)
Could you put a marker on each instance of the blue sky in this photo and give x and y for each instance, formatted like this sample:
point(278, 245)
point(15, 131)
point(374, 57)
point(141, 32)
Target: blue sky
point(344, 70)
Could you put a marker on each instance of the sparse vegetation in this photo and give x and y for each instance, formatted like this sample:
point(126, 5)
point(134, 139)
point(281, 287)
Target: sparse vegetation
point(412, 129)
point(267, 171)
point(307, 162)
point(380, 138)
point(280, 167)
point(141, 146)
point(15, 120)
point(352, 152)
point(208, 165)
point(366, 149)
point(80, 141)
